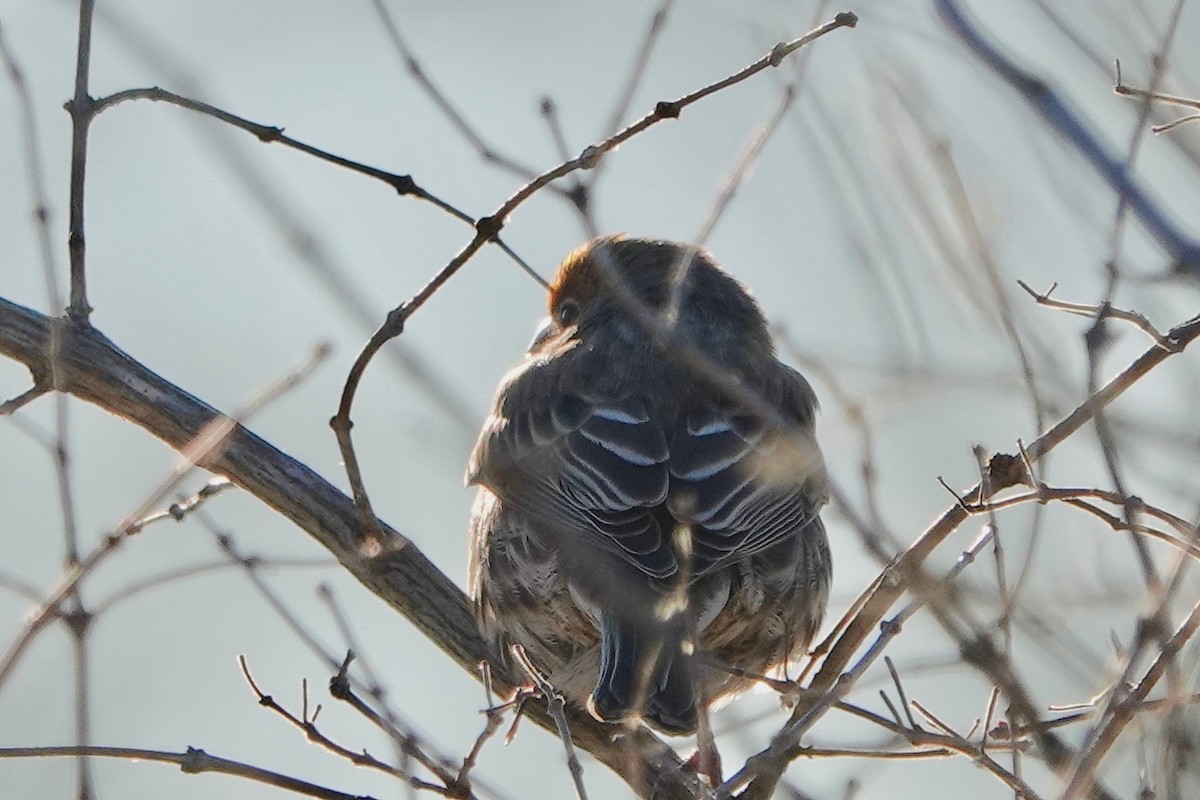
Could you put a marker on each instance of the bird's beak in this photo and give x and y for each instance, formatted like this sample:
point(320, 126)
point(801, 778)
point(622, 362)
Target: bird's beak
point(543, 333)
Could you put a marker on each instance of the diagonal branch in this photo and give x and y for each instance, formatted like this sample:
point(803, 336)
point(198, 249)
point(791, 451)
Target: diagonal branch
point(907, 573)
point(1049, 104)
point(487, 228)
point(393, 568)
point(404, 185)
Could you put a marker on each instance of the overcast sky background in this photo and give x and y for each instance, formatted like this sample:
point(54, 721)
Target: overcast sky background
point(195, 269)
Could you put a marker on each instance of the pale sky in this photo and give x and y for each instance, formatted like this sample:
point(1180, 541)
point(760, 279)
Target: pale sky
point(220, 262)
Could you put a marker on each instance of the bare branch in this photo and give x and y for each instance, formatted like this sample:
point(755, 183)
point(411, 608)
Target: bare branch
point(488, 227)
point(23, 399)
point(1184, 249)
point(404, 185)
point(1176, 123)
point(308, 724)
point(1096, 311)
point(192, 761)
point(558, 712)
point(1145, 94)
point(80, 109)
point(1121, 713)
point(765, 768)
point(95, 370)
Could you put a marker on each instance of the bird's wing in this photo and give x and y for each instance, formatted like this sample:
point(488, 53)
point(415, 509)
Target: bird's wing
point(579, 461)
point(742, 483)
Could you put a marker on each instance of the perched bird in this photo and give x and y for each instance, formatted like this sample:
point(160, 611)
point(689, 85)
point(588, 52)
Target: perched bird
point(642, 525)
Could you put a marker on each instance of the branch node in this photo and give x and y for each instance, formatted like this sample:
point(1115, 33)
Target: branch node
point(268, 133)
point(339, 684)
point(590, 157)
point(1004, 470)
point(489, 226)
point(665, 109)
point(194, 761)
point(404, 185)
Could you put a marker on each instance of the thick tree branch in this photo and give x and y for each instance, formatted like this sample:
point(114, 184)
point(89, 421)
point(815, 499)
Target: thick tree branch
point(390, 566)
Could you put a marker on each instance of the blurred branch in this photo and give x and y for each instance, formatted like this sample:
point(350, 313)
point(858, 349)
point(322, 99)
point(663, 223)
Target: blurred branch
point(577, 192)
point(1118, 714)
point(1184, 249)
point(132, 589)
point(391, 567)
point(63, 602)
point(907, 573)
point(641, 61)
point(439, 98)
point(488, 227)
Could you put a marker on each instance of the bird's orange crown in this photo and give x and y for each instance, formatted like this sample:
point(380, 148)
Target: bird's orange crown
point(579, 275)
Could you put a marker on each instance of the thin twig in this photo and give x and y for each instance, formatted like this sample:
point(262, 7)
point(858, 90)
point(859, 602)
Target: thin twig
point(440, 99)
point(80, 109)
point(26, 397)
point(1128, 91)
point(1167, 126)
point(404, 185)
point(993, 697)
point(557, 708)
point(307, 724)
point(180, 510)
point(937, 723)
point(409, 745)
point(204, 448)
point(192, 761)
point(495, 718)
point(1096, 311)
point(904, 703)
point(769, 764)
point(489, 226)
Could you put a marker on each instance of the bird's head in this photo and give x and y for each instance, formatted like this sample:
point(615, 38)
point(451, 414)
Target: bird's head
point(614, 281)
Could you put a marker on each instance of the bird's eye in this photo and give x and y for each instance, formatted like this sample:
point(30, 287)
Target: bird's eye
point(567, 312)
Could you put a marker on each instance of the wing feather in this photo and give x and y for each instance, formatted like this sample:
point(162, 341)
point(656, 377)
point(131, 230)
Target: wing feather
point(580, 462)
point(622, 470)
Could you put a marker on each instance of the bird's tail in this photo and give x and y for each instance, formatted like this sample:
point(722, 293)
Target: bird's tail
point(645, 671)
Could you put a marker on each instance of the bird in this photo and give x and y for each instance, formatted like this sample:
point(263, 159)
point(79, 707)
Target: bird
point(646, 525)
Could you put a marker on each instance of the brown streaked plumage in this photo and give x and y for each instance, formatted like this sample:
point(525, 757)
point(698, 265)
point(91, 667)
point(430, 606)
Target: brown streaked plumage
point(636, 527)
